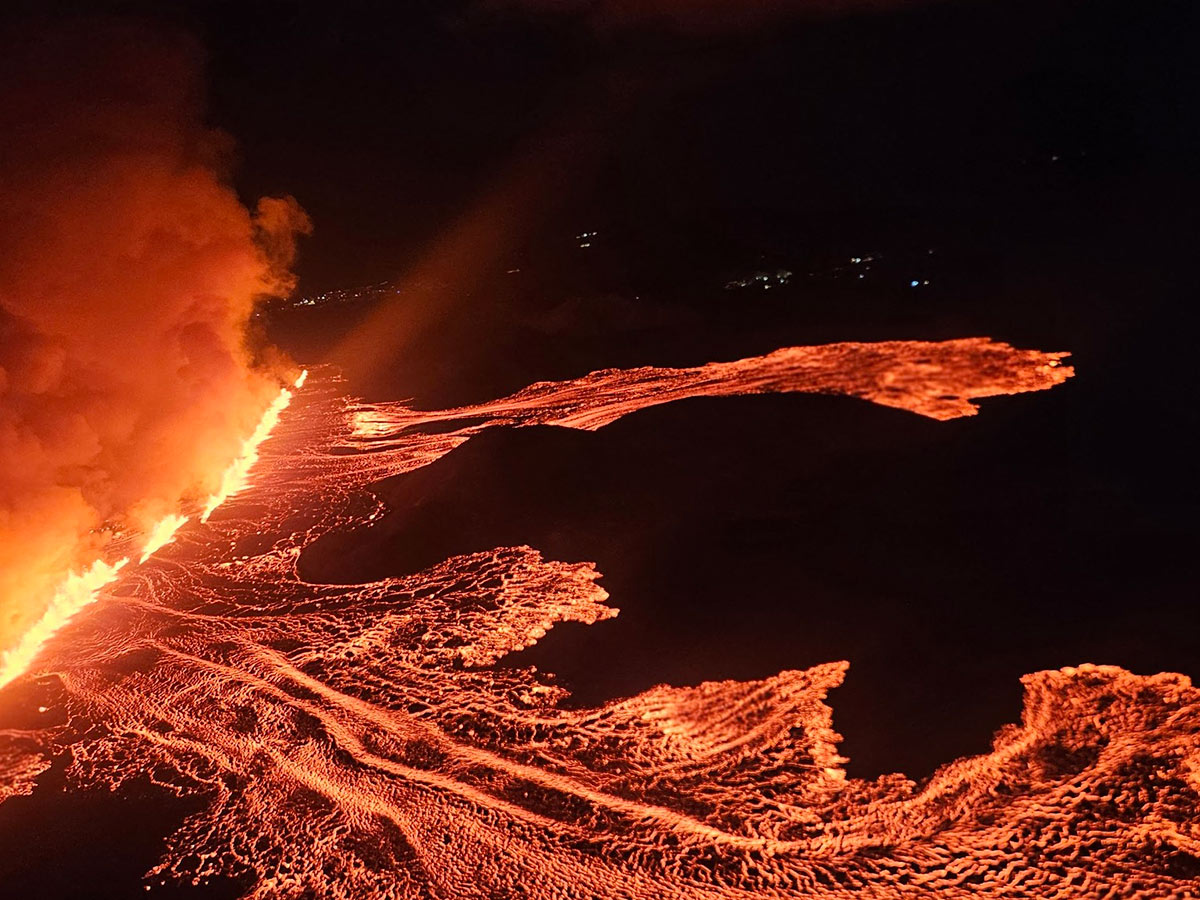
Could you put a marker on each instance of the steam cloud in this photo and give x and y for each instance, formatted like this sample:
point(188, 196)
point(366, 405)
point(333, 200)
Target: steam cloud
point(128, 274)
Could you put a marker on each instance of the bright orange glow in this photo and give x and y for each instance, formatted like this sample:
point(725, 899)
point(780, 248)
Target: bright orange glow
point(80, 589)
point(237, 476)
point(934, 379)
point(76, 592)
point(125, 298)
point(364, 737)
point(162, 534)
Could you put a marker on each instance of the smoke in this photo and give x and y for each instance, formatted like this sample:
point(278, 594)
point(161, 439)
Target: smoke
point(128, 274)
point(695, 16)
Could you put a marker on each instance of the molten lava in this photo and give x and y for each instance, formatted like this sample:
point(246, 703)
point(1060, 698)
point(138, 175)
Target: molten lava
point(356, 740)
point(129, 274)
point(77, 591)
point(237, 476)
point(162, 534)
point(81, 589)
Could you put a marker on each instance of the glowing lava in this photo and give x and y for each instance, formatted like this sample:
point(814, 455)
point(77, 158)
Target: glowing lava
point(77, 591)
point(80, 589)
point(162, 534)
point(357, 741)
point(237, 476)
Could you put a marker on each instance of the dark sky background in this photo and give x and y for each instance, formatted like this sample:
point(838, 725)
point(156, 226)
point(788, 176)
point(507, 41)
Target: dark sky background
point(388, 127)
point(1045, 152)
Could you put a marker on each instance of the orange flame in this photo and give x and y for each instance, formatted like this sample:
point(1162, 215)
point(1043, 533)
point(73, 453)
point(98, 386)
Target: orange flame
point(237, 476)
point(161, 535)
point(77, 591)
point(80, 589)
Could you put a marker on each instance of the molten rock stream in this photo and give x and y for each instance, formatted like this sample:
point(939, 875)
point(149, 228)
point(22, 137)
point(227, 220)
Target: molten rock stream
point(356, 741)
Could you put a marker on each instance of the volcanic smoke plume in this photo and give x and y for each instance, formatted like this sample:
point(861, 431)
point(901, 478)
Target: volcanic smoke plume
point(128, 273)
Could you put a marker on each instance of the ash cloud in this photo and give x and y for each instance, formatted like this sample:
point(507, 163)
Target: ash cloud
point(129, 270)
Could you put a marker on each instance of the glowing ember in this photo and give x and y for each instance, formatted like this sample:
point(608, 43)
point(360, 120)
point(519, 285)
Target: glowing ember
point(356, 741)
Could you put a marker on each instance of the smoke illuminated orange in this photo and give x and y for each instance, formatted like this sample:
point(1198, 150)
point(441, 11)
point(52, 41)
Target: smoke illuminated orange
point(81, 589)
point(364, 739)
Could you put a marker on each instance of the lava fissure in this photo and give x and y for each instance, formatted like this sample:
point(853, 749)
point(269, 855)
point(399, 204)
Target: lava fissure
point(357, 740)
point(82, 589)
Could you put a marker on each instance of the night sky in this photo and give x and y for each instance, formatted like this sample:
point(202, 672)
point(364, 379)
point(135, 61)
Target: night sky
point(953, 117)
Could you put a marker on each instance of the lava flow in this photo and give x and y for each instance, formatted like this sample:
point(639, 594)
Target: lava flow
point(357, 741)
point(79, 589)
point(162, 534)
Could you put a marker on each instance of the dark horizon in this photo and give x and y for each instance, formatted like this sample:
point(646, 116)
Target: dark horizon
point(390, 128)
